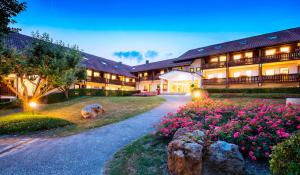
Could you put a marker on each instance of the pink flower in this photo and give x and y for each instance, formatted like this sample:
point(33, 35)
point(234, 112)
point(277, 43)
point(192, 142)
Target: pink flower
point(236, 135)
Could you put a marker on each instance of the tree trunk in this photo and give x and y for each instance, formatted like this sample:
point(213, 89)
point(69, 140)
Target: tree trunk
point(26, 107)
point(67, 94)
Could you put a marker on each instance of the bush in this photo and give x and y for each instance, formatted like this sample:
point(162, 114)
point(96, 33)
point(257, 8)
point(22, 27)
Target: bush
point(286, 157)
point(291, 90)
point(10, 104)
point(74, 93)
point(255, 126)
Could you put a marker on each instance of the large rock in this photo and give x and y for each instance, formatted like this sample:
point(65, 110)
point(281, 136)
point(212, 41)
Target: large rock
point(185, 152)
point(91, 111)
point(224, 159)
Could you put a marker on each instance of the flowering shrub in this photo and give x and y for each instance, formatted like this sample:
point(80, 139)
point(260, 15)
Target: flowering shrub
point(255, 126)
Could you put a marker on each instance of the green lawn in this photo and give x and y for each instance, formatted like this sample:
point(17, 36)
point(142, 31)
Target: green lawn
point(68, 114)
point(146, 156)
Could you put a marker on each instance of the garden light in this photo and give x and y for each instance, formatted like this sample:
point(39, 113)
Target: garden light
point(33, 104)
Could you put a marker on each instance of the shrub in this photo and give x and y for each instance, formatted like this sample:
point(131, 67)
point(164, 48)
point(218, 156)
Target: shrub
point(256, 126)
point(286, 157)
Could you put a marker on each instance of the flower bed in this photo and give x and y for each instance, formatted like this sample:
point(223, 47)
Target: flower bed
point(256, 126)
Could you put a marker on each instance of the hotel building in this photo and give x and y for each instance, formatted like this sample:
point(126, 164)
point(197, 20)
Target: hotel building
point(268, 60)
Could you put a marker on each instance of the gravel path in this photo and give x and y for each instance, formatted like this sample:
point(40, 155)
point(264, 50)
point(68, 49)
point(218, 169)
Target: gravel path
point(84, 153)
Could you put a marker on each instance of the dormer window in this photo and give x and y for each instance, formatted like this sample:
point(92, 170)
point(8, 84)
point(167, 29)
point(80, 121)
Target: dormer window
point(249, 55)
point(270, 52)
point(145, 74)
point(285, 49)
point(222, 58)
point(237, 56)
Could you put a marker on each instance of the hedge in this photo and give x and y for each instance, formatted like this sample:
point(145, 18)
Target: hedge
point(74, 93)
point(291, 90)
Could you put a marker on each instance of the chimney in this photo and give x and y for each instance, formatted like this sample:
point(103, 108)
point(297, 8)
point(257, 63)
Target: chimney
point(147, 61)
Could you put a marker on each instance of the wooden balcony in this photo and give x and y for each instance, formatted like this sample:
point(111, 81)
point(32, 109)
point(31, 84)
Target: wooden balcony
point(280, 78)
point(5, 91)
point(214, 65)
point(109, 81)
point(280, 57)
point(149, 78)
point(244, 61)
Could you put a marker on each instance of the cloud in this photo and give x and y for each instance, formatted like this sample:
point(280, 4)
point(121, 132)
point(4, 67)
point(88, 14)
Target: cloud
point(129, 55)
point(169, 54)
point(151, 54)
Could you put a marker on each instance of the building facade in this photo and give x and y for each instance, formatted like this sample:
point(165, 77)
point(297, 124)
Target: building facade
point(268, 60)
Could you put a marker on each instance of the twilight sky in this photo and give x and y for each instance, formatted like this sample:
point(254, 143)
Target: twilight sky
point(132, 31)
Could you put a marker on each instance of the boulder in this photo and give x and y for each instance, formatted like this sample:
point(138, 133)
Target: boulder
point(91, 111)
point(293, 101)
point(224, 159)
point(185, 152)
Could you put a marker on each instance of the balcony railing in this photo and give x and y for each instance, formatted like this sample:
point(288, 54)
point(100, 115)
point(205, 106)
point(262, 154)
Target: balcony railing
point(149, 78)
point(109, 81)
point(247, 61)
point(280, 78)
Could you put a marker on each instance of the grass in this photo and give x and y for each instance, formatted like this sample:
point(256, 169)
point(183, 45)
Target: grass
point(116, 109)
point(146, 156)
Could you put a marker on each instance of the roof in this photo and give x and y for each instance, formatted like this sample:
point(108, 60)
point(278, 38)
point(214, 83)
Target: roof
point(159, 65)
point(265, 40)
point(20, 42)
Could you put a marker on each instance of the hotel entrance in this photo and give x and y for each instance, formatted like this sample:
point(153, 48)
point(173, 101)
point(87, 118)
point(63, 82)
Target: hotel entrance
point(180, 82)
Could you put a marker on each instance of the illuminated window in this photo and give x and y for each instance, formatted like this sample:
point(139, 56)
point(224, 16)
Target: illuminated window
point(113, 77)
point(284, 70)
point(249, 54)
point(180, 68)
point(285, 49)
point(248, 73)
point(215, 59)
point(140, 74)
point(88, 87)
point(133, 80)
point(107, 76)
point(96, 74)
point(270, 72)
point(236, 74)
point(198, 69)
point(145, 74)
point(210, 76)
point(89, 73)
point(237, 56)
point(220, 75)
point(192, 70)
point(127, 79)
point(298, 44)
point(162, 72)
point(222, 58)
point(270, 52)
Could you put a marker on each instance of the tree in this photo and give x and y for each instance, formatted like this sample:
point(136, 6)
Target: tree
point(8, 10)
point(40, 67)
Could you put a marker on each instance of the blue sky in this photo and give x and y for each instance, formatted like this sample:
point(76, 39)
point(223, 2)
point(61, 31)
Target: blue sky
point(132, 31)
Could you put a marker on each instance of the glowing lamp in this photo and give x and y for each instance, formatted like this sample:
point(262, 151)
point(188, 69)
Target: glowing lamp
point(33, 104)
point(199, 94)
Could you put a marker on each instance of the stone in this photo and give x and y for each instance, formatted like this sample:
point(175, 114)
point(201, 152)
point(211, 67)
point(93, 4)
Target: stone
point(294, 101)
point(92, 111)
point(185, 152)
point(224, 159)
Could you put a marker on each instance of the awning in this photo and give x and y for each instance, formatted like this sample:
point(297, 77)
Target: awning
point(177, 75)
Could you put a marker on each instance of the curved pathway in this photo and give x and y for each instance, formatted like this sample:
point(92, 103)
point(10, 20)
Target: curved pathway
point(84, 153)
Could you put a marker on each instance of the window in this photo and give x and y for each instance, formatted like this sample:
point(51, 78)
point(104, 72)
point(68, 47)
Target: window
point(210, 76)
point(140, 75)
point(270, 52)
point(249, 73)
point(96, 74)
point(179, 68)
point(107, 76)
point(284, 70)
point(213, 60)
point(249, 54)
point(150, 87)
point(222, 58)
point(198, 69)
point(133, 80)
point(220, 75)
point(237, 56)
point(89, 73)
point(113, 77)
point(270, 72)
point(145, 87)
point(285, 49)
point(192, 70)
point(236, 74)
point(88, 87)
point(127, 79)
point(162, 72)
point(145, 74)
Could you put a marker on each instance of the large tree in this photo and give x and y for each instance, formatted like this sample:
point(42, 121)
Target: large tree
point(8, 10)
point(39, 67)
